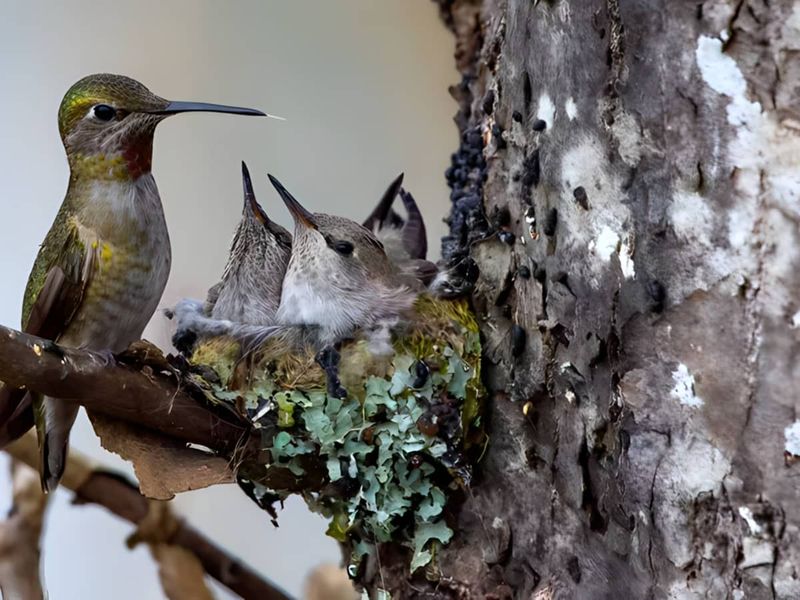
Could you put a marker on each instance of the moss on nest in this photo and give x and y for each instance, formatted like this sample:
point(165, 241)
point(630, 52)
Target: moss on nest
point(389, 455)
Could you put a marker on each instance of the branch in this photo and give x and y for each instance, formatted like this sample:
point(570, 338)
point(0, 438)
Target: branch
point(19, 536)
point(102, 385)
point(118, 495)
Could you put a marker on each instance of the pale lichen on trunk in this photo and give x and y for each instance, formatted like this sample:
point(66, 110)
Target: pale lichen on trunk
point(640, 189)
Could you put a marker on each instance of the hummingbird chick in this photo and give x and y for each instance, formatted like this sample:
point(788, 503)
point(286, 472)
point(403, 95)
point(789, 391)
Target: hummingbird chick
point(339, 280)
point(250, 289)
point(406, 246)
point(405, 240)
point(103, 265)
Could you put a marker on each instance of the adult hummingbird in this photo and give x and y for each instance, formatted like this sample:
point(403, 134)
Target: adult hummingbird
point(103, 265)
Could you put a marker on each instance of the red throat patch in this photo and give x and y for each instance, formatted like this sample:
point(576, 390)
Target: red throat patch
point(138, 156)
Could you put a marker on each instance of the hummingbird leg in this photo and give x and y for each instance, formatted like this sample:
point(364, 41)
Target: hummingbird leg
point(328, 358)
point(107, 356)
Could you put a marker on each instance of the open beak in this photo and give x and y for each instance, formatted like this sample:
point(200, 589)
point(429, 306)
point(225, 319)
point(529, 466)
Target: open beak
point(300, 214)
point(376, 219)
point(173, 108)
point(250, 197)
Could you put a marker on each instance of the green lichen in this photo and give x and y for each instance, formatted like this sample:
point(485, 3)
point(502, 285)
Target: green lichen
point(389, 456)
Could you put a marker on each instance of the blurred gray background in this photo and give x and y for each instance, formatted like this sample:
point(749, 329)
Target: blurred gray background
point(363, 86)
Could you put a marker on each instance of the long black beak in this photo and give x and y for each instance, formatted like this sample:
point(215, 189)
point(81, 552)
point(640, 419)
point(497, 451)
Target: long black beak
point(300, 214)
point(173, 108)
point(250, 197)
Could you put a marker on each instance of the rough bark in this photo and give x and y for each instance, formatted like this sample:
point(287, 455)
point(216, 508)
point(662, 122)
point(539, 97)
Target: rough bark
point(639, 300)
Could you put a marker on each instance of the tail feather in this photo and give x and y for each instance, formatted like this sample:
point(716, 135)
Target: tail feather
point(53, 427)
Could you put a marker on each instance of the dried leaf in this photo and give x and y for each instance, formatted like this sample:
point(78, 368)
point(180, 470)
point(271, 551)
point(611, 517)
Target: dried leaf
point(163, 466)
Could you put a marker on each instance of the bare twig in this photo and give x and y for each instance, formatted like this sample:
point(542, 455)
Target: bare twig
point(19, 536)
point(121, 497)
point(329, 582)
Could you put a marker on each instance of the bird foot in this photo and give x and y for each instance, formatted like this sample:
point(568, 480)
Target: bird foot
point(328, 358)
point(53, 348)
point(106, 356)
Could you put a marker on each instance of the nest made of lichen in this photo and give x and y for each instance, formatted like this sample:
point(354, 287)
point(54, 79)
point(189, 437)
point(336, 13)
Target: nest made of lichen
point(394, 449)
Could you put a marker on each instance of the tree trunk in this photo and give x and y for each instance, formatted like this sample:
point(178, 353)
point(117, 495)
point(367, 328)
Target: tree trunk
point(638, 248)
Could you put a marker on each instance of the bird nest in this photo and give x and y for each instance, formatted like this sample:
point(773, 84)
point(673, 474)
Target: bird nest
point(382, 463)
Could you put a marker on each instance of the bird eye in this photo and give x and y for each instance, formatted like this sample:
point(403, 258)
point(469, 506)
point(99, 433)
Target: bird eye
point(104, 112)
point(343, 248)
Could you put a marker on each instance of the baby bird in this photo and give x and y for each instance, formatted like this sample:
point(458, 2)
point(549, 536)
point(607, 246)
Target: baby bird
point(405, 240)
point(338, 280)
point(250, 290)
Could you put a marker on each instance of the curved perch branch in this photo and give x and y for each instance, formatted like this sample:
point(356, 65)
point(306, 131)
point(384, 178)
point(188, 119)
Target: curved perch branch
point(152, 400)
point(118, 495)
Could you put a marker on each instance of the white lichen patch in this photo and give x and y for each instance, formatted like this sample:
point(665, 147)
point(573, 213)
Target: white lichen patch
point(694, 221)
point(748, 517)
point(741, 220)
point(626, 260)
point(605, 244)
point(570, 109)
point(690, 467)
point(792, 25)
point(764, 152)
point(683, 390)
point(756, 552)
point(792, 436)
point(585, 164)
point(547, 110)
point(796, 320)
point(691, 217)
point(719, 70)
